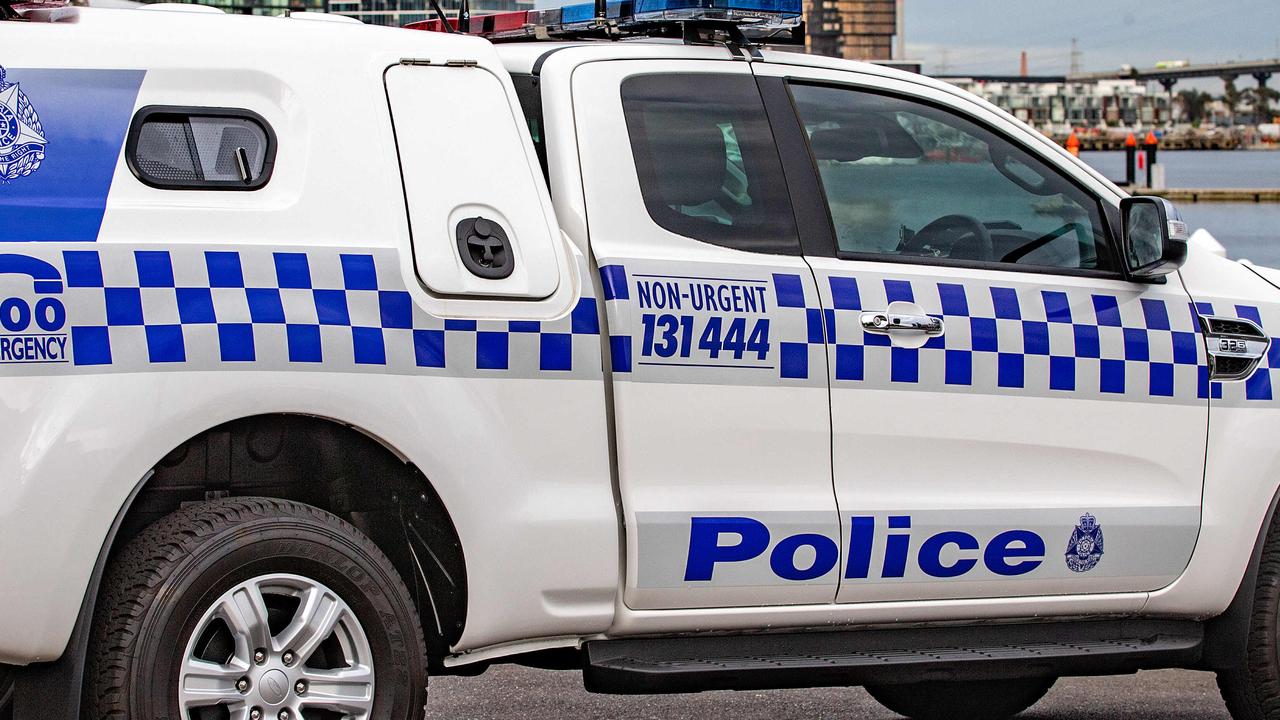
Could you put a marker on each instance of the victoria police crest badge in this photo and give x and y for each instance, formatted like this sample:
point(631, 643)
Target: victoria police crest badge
point(1084, 550)
point(22, 140)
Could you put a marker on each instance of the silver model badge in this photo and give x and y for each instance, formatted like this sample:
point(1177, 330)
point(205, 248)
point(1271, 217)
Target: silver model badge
point(22, 140)
point(1084, 550)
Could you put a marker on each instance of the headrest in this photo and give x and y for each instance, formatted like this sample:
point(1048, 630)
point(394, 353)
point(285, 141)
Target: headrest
point(689, 155)
point(867, 136)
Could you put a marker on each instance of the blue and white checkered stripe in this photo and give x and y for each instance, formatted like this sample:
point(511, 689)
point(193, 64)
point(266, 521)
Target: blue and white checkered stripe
point(795, 361)
point(139, 308)
point(1022, 339)
point(1028, 339)
point(617, 296)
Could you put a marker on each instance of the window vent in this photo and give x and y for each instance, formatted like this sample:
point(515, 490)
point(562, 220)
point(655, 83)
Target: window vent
point(1233, 327)
point(1236, 346)
point(185, 148)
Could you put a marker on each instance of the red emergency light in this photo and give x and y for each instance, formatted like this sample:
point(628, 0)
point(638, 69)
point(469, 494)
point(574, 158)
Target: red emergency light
point(504, 22)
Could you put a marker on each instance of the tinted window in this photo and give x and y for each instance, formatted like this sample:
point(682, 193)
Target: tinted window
point(907, 179)
point(529, 92)
point(176, 149)
point(706, 159)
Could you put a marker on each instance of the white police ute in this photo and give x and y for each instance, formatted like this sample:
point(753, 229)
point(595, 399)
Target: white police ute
point(609, 337)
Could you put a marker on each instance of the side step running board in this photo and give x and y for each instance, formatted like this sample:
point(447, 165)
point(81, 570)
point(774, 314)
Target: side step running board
point(866, 657)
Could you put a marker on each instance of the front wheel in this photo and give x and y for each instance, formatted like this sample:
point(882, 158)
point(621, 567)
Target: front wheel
point(1251, 690)
point(255, 609)
point(980, 700)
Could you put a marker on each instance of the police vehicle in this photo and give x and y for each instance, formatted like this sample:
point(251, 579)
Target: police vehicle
point(609, 337)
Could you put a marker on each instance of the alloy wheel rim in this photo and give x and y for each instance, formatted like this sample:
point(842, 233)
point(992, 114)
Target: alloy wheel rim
point(277, 647)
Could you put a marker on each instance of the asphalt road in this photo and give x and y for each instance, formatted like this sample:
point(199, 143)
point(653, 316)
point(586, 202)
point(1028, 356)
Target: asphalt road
point(514, 692)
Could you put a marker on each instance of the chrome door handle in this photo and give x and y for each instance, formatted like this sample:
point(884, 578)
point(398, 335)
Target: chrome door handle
point(885, 322)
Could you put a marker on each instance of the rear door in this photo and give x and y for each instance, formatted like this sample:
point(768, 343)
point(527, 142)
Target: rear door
point(1010, 415)
point(719, 370)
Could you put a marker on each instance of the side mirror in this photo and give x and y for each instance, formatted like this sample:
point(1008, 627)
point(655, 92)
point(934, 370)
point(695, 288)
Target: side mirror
point(1155, 237)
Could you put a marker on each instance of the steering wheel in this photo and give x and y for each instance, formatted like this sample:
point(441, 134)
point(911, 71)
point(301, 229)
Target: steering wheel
point(959, 237)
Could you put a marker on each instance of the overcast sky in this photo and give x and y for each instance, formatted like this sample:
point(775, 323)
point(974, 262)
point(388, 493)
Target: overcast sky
point(986, 36)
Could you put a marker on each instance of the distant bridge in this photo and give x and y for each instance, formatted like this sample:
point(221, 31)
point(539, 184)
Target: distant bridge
point(1260, 70)
point(1032, 79)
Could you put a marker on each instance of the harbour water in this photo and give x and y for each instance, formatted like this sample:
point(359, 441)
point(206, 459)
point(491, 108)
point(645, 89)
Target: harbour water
point(1247, 230)
point(1202, 168)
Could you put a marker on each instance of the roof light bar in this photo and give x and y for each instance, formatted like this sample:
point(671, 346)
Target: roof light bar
point(762, 19)
point(486, 25)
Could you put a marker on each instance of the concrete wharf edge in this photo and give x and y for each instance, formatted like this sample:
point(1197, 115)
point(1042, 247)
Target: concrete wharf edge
point(1206, 195)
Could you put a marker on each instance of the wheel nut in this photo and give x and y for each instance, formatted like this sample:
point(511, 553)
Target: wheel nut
point(242, 684)
point(300, 687)
point(255, 714)
point(284, 715)
point(259, 657)
point(287, 659)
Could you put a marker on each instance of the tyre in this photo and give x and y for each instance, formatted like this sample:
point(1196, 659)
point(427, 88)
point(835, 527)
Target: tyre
point(255, 609)
point(1252, 689)
point(980, 700)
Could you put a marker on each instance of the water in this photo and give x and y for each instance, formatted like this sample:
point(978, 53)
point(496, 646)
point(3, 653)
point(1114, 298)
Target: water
point(1247, 230)
point(1201, 168)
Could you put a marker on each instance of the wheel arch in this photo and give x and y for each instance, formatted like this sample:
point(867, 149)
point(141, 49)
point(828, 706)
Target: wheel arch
point(337, 466)
point(1227, 635)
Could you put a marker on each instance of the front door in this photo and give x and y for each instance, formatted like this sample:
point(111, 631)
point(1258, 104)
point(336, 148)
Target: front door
point(1010, 415)
point(719, 374)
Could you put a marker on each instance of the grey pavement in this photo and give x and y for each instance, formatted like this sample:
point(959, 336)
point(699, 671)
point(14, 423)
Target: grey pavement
point(507, 691)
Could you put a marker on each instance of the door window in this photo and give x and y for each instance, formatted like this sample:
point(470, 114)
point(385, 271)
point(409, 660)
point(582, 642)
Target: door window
point(707, 163)
point(909, 180)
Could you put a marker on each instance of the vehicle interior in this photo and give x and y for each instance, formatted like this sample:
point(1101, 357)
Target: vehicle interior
point(909, 179)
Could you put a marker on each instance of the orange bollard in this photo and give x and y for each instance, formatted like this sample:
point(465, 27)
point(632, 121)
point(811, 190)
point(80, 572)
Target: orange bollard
point(1073, 144)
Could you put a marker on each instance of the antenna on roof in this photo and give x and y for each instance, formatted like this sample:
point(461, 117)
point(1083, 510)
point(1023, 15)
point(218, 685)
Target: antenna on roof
point(464, 16)
point(439, 11)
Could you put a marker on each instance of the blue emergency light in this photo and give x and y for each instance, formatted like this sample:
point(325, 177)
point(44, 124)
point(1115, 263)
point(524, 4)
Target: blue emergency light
point(685, 9)
point(783, 8)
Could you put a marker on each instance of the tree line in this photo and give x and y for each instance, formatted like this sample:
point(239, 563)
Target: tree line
point(1258, 99)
